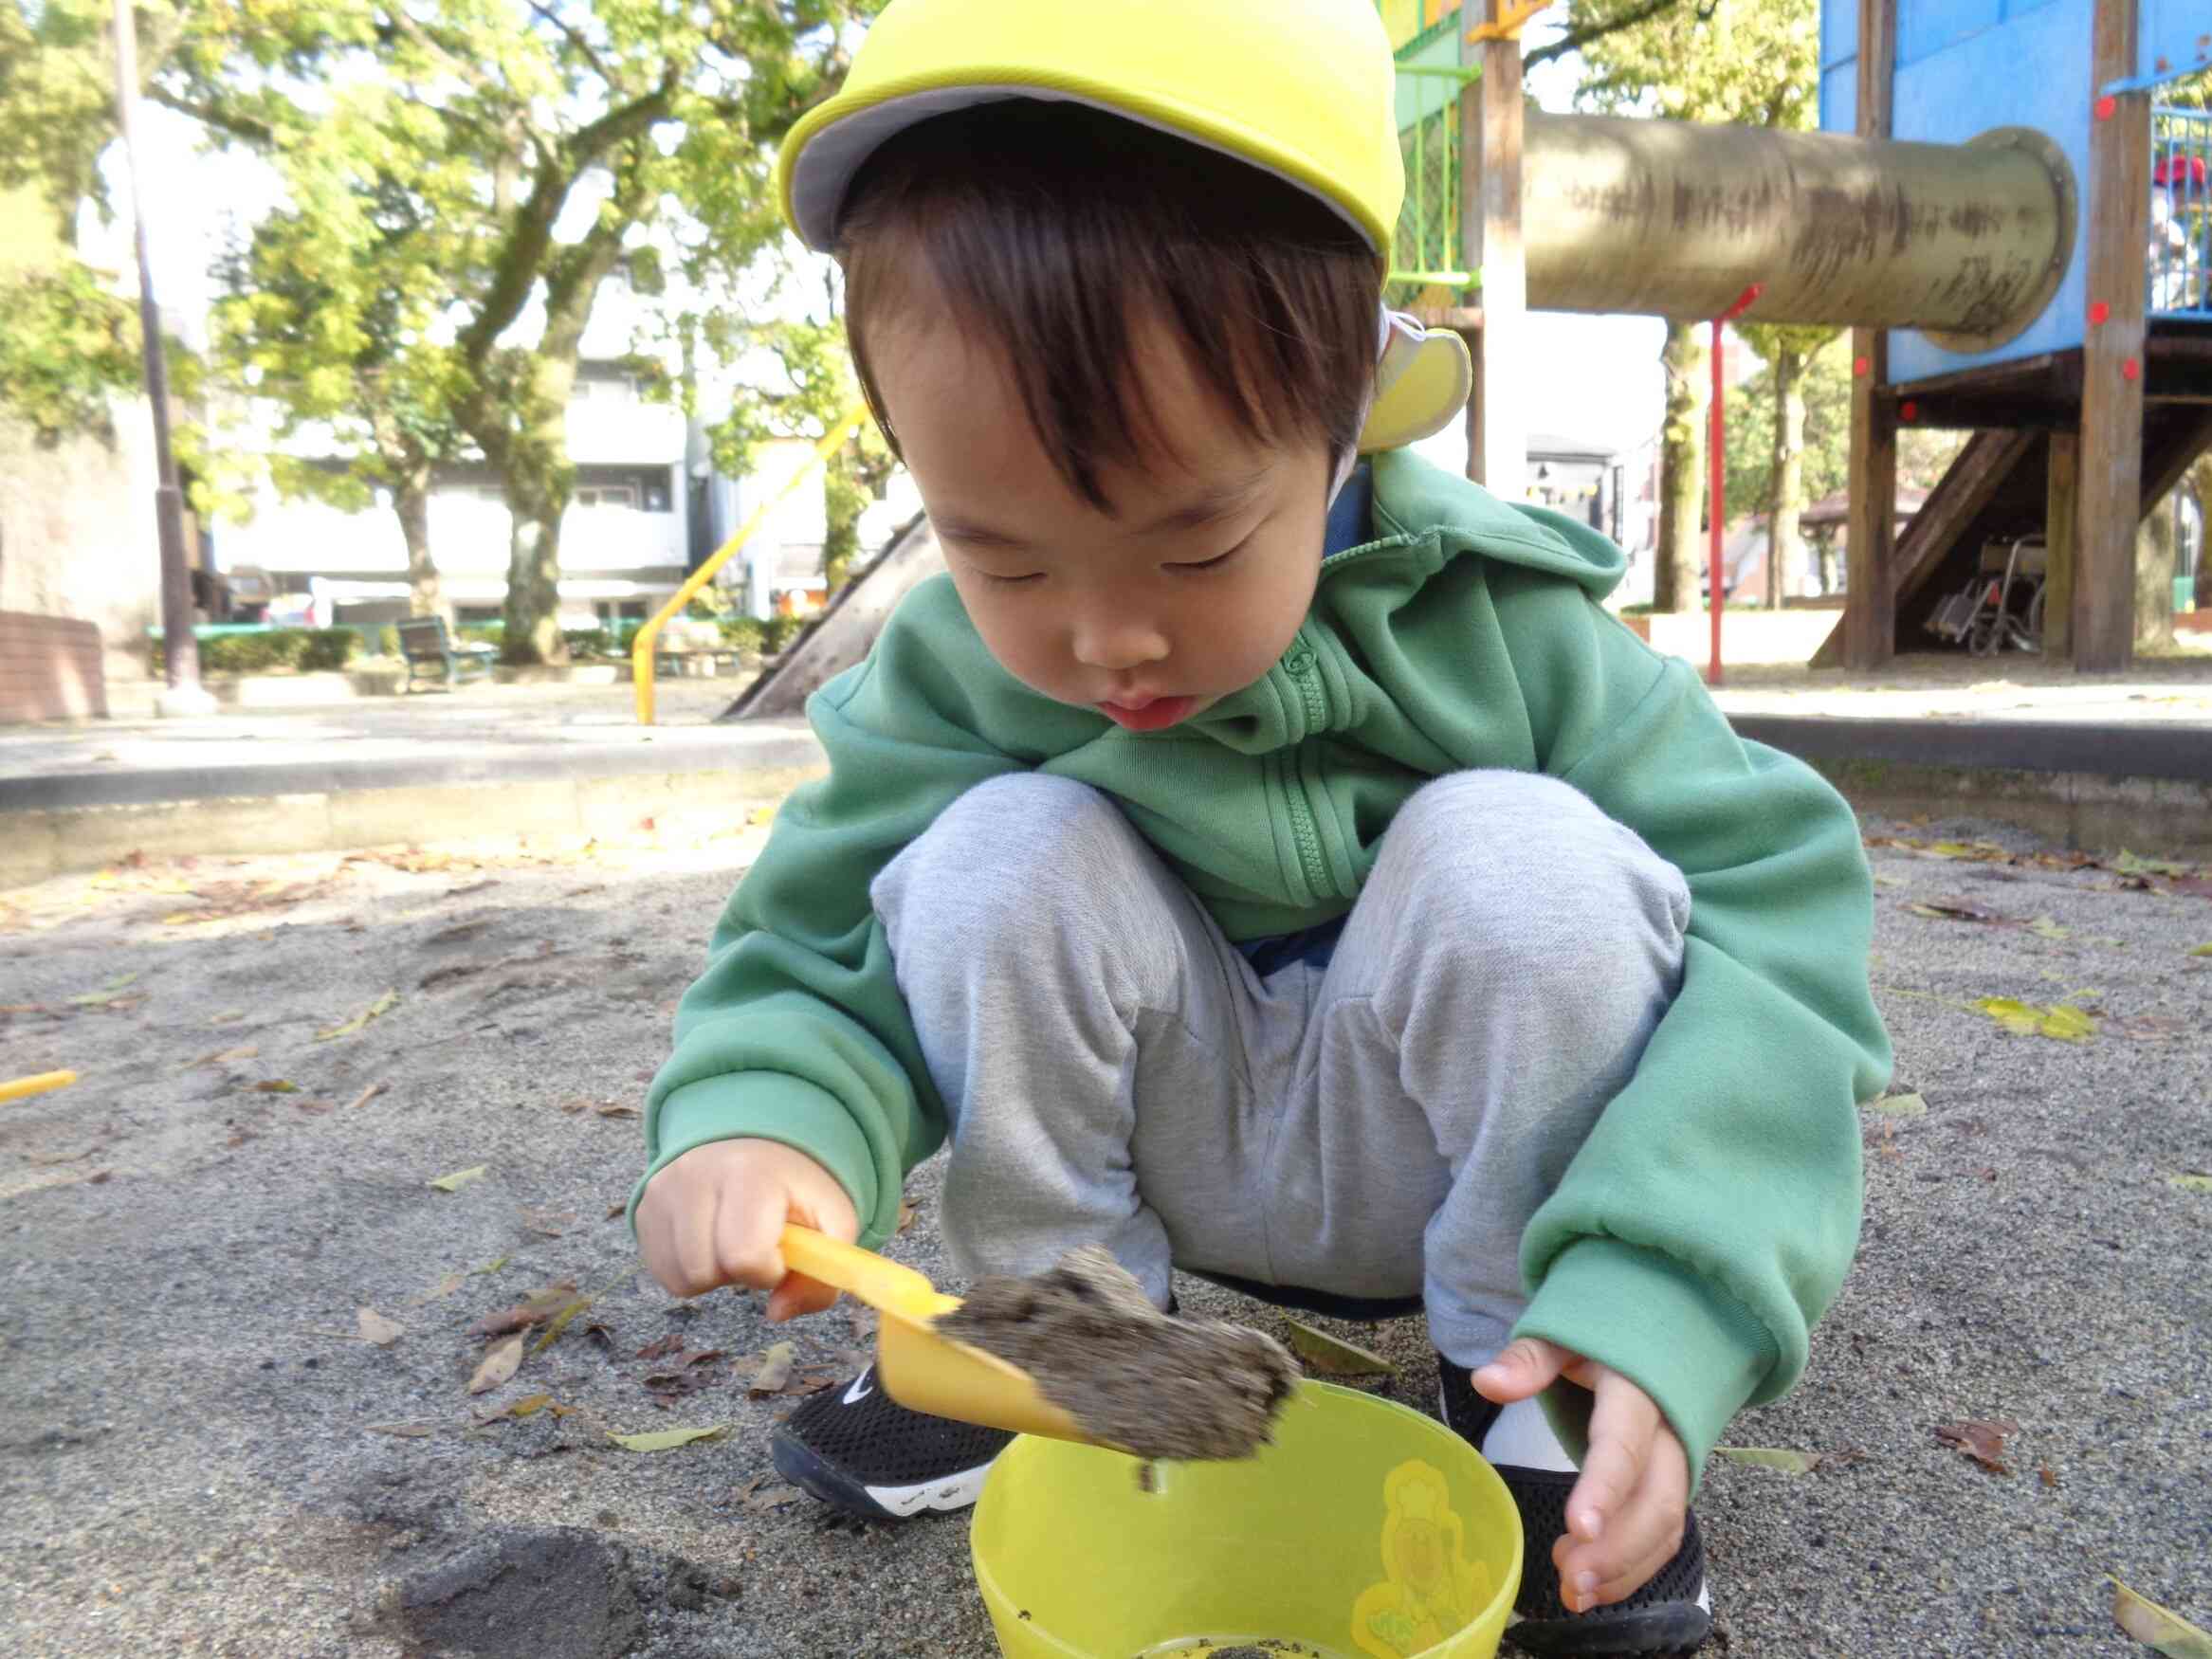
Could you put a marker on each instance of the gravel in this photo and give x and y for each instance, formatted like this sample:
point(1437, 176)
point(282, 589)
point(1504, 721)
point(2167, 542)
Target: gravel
point(200, 1455)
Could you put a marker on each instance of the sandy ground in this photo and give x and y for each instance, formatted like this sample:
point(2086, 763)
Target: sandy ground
point(199, 1453)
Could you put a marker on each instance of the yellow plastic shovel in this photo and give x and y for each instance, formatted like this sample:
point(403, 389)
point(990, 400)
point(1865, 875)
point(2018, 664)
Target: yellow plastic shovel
point(920, 1369)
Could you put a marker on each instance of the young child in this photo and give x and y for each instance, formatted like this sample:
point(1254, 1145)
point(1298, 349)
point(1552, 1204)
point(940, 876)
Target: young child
point(1258, 860)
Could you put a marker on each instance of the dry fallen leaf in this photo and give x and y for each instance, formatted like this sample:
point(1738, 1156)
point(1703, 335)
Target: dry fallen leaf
point(547, 1222)
point(375, 1327)
point(665, 1439)
point(223, 1056)
point(661, 1347)
point(1980, 1439)
point(906, 1215)
point(772, 1499)
point(1899, 1106)
point(1792, 1462)
point(773, 1371)
point(275, 1085)
point(1955, 910)
point(404, 1430)
point(445, 1286)
point(1333, 1358)
point(528, 1406)
point(2163, 1630)
point(2047, 1476)
point(559, 1323)
point(2049, 928)
point(367, 1095)
point(535, 1309)
point(460, 1178)
point(106, 994)
point(498, 1366)
point(617, 1111)
point(382, 1006)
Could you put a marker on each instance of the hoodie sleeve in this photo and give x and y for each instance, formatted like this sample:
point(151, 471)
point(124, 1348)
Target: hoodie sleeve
point(1709, 1220)
point(796, 1033)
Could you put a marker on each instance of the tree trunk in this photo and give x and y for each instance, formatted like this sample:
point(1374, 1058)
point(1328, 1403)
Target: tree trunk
point(2155, 574)
point(1789, 475)
point(1675, 580)
point(532, 614)
point(410, 500)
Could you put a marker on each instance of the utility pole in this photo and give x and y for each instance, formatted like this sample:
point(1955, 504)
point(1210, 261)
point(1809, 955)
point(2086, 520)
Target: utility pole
point(180, 648)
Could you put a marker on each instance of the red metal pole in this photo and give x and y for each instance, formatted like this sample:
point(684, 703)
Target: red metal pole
point(1717, 510)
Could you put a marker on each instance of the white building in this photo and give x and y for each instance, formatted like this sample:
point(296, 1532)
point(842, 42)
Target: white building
point(626, 542)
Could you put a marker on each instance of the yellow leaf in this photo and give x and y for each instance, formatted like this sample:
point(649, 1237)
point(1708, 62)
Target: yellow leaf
point(665, 1439)
point(373, 1327)
point(460, 1178)
point(383, 1005)
point(498, 1365)
point(106, 994)
point(2018, 1017)
point(2201, 951)
point(1899, 1106)
point(2067, 1024)
point(2163, 1632)
point(2048, 928)
point(1332, 1358)
point(1791, 1463)
point(2191, 1182)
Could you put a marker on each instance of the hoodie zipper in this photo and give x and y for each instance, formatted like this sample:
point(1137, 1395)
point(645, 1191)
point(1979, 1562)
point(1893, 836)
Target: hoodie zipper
point(1305, 831)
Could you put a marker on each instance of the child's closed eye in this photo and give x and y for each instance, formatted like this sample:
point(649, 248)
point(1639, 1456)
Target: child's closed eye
point(1208, 564)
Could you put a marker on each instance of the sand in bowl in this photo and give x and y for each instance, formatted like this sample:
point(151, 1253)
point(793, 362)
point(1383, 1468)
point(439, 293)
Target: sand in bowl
point(1132, 1377)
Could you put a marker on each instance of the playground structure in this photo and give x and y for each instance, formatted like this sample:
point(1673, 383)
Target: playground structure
point(2018, 238)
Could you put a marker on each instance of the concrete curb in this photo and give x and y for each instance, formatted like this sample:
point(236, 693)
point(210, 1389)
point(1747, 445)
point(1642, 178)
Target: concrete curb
point(2096, 787)
point(2090, 785)
point(82, 823)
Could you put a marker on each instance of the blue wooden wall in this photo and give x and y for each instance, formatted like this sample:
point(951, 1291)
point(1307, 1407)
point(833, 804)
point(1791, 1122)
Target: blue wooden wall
point(1965, 66)
point(2176, 34)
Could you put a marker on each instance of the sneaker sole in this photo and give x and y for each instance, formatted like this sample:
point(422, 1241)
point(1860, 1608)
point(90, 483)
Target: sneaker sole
point(1669, 1628)
point(805, 1470)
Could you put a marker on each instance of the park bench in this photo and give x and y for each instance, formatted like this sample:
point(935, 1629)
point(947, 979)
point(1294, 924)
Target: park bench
point(431, 652)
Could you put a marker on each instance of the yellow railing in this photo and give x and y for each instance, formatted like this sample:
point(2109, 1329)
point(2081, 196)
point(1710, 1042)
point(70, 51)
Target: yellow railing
point(641, 650)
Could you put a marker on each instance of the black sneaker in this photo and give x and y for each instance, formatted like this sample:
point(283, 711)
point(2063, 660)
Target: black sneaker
point(859, 1451)
point(1670, 1614)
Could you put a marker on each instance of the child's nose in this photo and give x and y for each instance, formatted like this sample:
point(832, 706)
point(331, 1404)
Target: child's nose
point(1117, 643)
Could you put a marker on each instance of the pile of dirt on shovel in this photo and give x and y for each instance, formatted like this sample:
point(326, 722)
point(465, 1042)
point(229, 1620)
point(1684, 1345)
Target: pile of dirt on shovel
point(1132, 1377)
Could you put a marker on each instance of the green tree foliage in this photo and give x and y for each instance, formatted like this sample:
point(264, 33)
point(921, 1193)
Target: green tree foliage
point(1788, 351)
point(492, 163)
point(811, 388)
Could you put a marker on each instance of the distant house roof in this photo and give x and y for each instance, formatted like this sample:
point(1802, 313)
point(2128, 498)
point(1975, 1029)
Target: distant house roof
point(1555, 447)
point(1831, 511)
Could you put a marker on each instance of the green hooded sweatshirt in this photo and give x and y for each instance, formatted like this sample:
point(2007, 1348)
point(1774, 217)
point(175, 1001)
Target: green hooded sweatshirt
point(1709, 1219)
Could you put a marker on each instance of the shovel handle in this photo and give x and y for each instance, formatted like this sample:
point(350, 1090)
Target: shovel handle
point(883, 1285)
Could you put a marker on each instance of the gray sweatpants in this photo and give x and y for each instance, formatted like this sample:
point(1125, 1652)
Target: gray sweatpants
point(1119, 1074)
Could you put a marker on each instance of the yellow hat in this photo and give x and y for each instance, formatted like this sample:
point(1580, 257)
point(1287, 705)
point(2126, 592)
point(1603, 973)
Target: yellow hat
point(1302, 88)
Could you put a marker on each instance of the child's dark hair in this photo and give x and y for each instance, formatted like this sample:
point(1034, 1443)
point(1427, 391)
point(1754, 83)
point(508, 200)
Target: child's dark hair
point(1058, 230)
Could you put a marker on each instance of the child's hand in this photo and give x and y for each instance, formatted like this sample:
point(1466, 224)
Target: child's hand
point(1625, 1515)
point(715, 1216)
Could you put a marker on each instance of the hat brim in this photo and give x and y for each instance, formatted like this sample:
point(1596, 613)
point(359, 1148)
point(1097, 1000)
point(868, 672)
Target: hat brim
point(1424, 397)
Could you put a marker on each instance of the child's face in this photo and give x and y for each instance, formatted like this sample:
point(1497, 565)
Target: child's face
point(1190, 589)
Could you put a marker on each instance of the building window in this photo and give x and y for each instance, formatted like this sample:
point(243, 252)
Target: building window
point(607, 495)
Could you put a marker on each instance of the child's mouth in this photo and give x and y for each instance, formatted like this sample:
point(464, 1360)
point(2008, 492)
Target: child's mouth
point(1155, 714)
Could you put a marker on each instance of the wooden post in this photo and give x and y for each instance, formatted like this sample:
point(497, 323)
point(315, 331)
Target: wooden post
point(2110, 505)
point(1490, 236)
point(1869, 614)
point(2062, 501)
